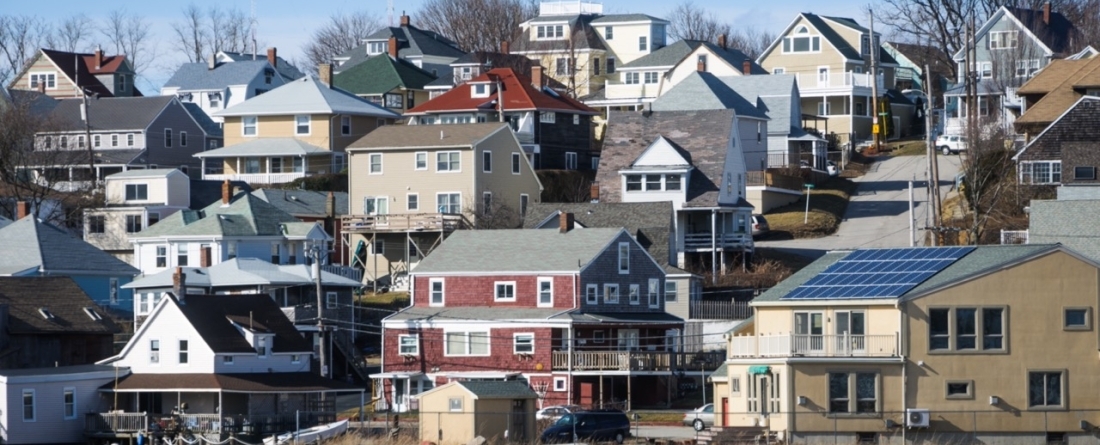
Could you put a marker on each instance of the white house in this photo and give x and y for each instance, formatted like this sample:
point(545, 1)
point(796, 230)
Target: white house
point(134, 200)
point(47, 405)
point(227, 79)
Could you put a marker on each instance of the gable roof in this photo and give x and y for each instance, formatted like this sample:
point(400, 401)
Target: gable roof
point(82, 67)
point(70, 308)
point(303, 202)
point(246, 215)
point(199, 76)
point(1057, 35)
point(518, 93)
point(285, 68)
point(242, 272)
point(921, 55)
point(1077, 124)
point(117, 113)
point(405, 136)
point(589, 40)
point(306, 96)
point(211, 128)
point(216, 318)
point(382, 74)
point(414, 41)
point(650, 223)
point(517, 250)
point(677, 51)
point(31, 245)
point(823, 26)
point(146, 173)
point(499, 389)
point(704, 91)
point(1061, 83)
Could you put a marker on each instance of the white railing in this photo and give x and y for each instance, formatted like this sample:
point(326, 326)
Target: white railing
point(569, 7)
point(348, 272)
point(814, 346)
point(696, 241)
point(847, 79)
point(1014, 236)
point(257, 178)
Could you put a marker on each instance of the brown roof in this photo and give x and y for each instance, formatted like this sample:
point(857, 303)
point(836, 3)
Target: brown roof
point(1058, 71)
point(58, 297)
point(270, 382)
point(214, 316)
point(407, 136)
point(1062, 82)
point(81, 67)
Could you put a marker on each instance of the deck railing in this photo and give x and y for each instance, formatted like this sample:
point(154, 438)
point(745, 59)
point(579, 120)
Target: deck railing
point(116, 422)
point(635, 360)
point(813, 346)
point(719, 310)
point(111, 423)
point(704, 241)
point(414, 222)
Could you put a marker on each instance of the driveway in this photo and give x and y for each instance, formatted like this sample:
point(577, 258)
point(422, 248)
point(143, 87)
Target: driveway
point(878, 213)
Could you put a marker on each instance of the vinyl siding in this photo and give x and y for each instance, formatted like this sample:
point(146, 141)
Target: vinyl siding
point(50, 425)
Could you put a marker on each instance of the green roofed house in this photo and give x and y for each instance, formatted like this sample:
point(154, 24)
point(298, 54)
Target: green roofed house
point(387, 81)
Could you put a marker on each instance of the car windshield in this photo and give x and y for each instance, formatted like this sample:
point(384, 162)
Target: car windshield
point(565, 420)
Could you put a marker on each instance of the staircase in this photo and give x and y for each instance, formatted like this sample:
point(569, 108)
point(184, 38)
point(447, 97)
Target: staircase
point(351, 353)
point(736, 435)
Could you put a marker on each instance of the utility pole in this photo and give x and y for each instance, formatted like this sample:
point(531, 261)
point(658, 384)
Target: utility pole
point(873, 49)
point(315, 253)
point(933, 163)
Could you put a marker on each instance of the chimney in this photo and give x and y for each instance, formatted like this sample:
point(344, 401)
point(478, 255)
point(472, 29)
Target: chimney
point(392, 46)
point(272, 58)
point(42, 87)
point(404, 20)
point(536, 76)
point(565, 222)
point(22, 209)
point(179, 283)
point(700, 66)
point(504, 47)
point(594, 191)
point(211, 62)
point(324, 74)
point(205, 256)
point(722, 41)
point(227, 192)
point(746, 67)
point(330, 205)
point(98, 58)
point(1046, 13)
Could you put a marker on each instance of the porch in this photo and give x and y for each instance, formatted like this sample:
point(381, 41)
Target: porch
point(412, 222)
point(826, 79)
point(634, 361)
point(268, 161)
point(713, 230)
point(797, 345)
point(125, 424)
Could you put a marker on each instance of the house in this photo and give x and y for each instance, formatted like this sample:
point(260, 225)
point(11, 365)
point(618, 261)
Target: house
point(46, 404)
point(462, 410)
point(912, 59)
point(227, 79)
point(126, 133)
point(1065, 152)
point(1012, 46)
point(63, 74)
point(470, 175)
point(310, 206)
point(299, 129)
point(576, 313)
point(642, 80)
point(35, 248)
point(936, 344)
point(135, 199)
point(831, 56)
point(582, 47)
point(426, 49)
point(51, 321)
point(239, 225)
point(694, 159)
point(218, 366)
point(386, 80)
point(1053, 91)
point(473, 64)
point(282, 66)
point(555, 130)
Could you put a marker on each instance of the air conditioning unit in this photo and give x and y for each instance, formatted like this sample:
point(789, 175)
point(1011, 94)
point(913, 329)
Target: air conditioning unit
point(916, 418)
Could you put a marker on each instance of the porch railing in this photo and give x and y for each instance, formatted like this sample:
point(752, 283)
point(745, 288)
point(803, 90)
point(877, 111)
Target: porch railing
point(774, 179)
point(834, 79)
point(109, 423)
point(719, 310)
point(116, 422)
point(703, 241)
point(257, 178)
point(348, 272)
point(814, 346)
point(635, 360)
point(437, 222)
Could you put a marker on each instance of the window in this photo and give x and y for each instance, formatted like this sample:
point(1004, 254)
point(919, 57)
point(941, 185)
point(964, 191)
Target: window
point(651, 77)
point(592, 294)
point(844, 388)
point(28, 405)
point(295, 358)
point(611, 293)
point(410, 100)
point(421, 160)
point(505, 291)
point(448, 202)
point(802, 42)
point(653, 182)
point(610, 65)
point(823, 108)
point(1041, 172)
point(1044, 389)
point(68, 398)
point(454, 403)
point(1078, 319)
point(547, 32)
point(261, 346)
point(480, 90)
point(560, 383)
point(375, 163)
point(162, 256)
point(332, 300)
point(96, 223)
point(608, 32)
point(167, 138)
point(570, 160)
point(624, 258)
point(466, 343)
point(227, 359)
point(642, 43)
point(133, 223)
point(183, 138)
point(436, 291)
point(1084, 173)
point(1026, 68)
point(408, 344)
point(960, 389)
point(599, 337)
point(523, 198)
point(670, 291)
point(596, 66)
point(630, 78)
point(393, 100)
point(181, 255)
point(345, 125)
point(80, 141)
point(516, 163)
point(48, 80)
point(137, 192)
point(301, 125)
point(634, 294)
point(412, 202)
point(95, 141)
point(672, 182)
point(546, 292)
point(654, 292)
point(447, 161)
point(248, 126)
point(215, 99)
point(547, 117)
point(633, 183)
point(523, 343)
point(64, 142)
point(985, 70)
point(154, 351)
point(269, 74)
point(967, 329)
point(377, 47)
point(183, 352)
point(1002, 39)
point(487, 161)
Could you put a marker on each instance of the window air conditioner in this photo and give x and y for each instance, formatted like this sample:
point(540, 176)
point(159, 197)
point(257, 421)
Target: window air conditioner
point(916, 418)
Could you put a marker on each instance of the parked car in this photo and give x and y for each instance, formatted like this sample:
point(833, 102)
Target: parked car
point(832, 168)
point(759, 225)
point(595, 425)
point(700, 418)
point(948, 144)
point(555, 412)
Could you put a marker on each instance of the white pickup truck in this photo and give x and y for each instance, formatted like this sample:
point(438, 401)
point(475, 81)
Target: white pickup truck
point(951, 143)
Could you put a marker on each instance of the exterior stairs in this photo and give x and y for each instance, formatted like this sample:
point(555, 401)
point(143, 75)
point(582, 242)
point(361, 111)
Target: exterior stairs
point(736, 435)
point(352, 354)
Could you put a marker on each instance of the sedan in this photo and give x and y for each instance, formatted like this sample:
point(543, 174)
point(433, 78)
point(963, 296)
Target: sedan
point(555, 412)
point(759, 225)
point(701, 418)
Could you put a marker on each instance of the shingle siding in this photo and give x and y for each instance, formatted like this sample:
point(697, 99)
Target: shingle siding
point(563, 136)
point(1080, 124)
point(605, 270)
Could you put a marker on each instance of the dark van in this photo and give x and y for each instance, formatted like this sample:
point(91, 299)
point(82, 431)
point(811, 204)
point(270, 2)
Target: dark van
point(610, 424)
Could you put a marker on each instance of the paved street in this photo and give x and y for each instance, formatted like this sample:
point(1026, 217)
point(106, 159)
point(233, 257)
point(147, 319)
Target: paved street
point(877, 215)
point(664, 432)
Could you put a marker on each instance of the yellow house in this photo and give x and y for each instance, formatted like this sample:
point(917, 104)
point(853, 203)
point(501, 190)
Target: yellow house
point(499, 411)
point(991, 344)
point(296, 130)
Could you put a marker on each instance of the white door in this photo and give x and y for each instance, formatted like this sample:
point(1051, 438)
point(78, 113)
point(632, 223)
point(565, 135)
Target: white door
point(808, 331)
point(823, 76)
point(849, 332)
point(628, 339)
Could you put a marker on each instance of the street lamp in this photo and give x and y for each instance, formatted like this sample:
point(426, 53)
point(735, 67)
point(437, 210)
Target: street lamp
point(315, 252)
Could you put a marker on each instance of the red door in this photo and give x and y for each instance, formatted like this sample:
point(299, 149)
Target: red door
point(725, 411)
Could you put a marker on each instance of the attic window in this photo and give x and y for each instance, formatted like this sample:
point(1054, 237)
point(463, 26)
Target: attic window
point(480, 90)
point(377, 47)
point(46, 313)
point(93, 314)
point(268, 75)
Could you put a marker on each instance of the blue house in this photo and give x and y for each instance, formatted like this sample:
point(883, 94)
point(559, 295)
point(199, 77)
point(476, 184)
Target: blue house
point(29, 247)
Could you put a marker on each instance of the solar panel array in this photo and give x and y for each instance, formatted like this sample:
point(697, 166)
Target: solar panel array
point(878, 273)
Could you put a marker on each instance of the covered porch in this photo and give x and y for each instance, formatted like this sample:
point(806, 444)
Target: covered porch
point(268, 161)
point(708, 234)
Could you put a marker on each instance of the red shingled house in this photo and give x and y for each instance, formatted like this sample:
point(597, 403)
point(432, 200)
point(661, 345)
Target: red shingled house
point(554, 129)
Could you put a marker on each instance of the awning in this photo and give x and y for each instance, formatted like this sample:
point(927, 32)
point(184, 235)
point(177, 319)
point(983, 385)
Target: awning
point(760, 369)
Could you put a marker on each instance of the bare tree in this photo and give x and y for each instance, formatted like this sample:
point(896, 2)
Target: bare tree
point(751, 40)
point(71, 34)
point(228, 30)
point(477, 25)
point(20, 38)
point(495, 215)
point(566, 61)
point(341, 33)
point(1085, 16)
point(191, 33)
point(129, 35)
point(688, 21)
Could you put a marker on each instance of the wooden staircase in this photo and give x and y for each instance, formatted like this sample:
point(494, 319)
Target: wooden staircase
point(352, 354)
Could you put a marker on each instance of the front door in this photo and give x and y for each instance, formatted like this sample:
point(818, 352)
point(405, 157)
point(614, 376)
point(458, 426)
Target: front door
point(725, 411)
point(850, 332)
point(517, 431)
point(400, 395)
point(808, 331)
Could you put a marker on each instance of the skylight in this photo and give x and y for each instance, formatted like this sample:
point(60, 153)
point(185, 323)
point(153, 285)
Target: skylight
point(46, 313)
point(93, 314)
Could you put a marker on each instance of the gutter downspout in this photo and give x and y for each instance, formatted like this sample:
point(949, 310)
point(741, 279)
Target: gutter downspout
point(713, 246)
point(904, 368)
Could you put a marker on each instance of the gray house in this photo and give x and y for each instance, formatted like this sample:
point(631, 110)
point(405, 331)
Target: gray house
point(228, 79)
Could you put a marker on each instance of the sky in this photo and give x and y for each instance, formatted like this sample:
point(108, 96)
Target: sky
point(287, 24)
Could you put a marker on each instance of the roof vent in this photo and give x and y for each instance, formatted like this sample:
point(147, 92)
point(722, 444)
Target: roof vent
point(93, 314)
point(46, 313)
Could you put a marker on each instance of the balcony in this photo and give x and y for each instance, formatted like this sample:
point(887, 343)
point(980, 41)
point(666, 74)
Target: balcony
point(789, 345)
point(813, 82)
point(256, 178)
point(635, 360)
point(703, 242)
point(634, 92)
point(415, 222)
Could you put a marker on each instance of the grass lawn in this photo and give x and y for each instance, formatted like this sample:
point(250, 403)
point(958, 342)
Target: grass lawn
point(908, 148)
point(387, 299)
point(827, 204)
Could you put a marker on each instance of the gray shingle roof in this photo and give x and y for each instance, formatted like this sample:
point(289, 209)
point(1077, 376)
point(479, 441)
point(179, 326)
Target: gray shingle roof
point(1072, 223)
point(634, 17)
point(649, 222)
point(145, 173)
point(506, 389)
point(285, 68)
point(473, 313)
point(417, 42)
point(678, 50)
point(246, 215)
point(198, 76)
point(116, 113)
point(306, 96)
point(61, 296)
point(400, 136)
point(704, 91)
point(500, 251)
point(303, 202)
point(208, 125)
point(29, 244)
point(721, 373)
point(242, 272)
point(266, 147)
point(771, 94)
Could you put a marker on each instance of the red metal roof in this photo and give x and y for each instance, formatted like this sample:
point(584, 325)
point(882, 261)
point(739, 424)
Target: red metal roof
point(517, 91)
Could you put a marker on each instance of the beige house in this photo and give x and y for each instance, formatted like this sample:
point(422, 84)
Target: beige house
point(921, 344)
point(296, 130)
point(459, 411)
point(411, 185)
point(134, 200)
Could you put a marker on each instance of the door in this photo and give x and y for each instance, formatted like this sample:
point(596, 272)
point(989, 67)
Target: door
point(823, 76)
point(400, 395)
point(517, 432)
point(628, 339)
point(808, 331)
point(725, 411)
point(850, 332)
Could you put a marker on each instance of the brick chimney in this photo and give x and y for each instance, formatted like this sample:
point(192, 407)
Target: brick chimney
point(536, 77)
point(179, 283)
point(272, 58)
point(205, 255)
point(746, 67)
point(392, 46)
point(22, 208)
point(565, 222)
point(404, 20)
point(700, 66)
point(722, 41)
point(41, 87)
point(98, 58)
point(324, 74)
point(227, 192)
point(330, 205)
point(594, 191)
point(504, 47)
point(1046, 13)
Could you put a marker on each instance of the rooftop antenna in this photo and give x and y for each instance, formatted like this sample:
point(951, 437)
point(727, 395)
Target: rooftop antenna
point(389, 10)
point(252, 27)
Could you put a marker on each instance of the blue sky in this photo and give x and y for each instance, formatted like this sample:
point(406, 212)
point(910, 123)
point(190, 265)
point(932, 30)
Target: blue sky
point(287, 24)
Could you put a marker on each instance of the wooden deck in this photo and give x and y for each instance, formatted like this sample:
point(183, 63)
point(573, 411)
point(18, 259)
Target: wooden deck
point(414, 222)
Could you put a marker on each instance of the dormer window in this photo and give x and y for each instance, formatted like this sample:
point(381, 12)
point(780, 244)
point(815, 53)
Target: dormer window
point(377, 47)
point(480, 90)
point(549, 32)
point(261, 346)
point(802, 42)
point(268, 75)
point(654, 182)
point(865, 44)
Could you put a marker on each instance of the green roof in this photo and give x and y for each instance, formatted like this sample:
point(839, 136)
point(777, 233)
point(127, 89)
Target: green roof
point(381, 74)
point(500, 389)
point(246, 215)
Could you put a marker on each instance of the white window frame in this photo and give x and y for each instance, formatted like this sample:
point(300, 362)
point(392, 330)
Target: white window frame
point(1027, 68)
point(454, 404)
point(643, 43)
point(548, 117)
point(539, 292)
point(517, 167)
point(623, 258)
point(438, 160)
point(184, 352)
point(592, 294)
point(262, 348)
point(154, 354)
point(403, 349)
point(410, 199)
point(813, 42)
point(486, 161)
point(609, 291)
point(227, 360)
point(496, 291)
point(488, 343)
point(33, 406)
point(570, 160)
point(516, 343)
point(50, 77)
point(67, 406)
point(442, 292)
point(332, 300)
point(631, 78)
point(634, 295)
point(420, 160)
point(250, 122)
point(345, 125)
point(1003, 39)
point(298, 125)
point(371, 158)
point(985, 70)
point(653, 295)
point(674, 294)
point(448, 194)
point(651, 78)
point(561, 384)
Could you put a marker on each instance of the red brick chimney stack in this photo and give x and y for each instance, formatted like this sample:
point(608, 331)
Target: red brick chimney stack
point(404, 20)
point(392, 45)
point(565, 222)
point(700, 66)
point(324, 74)
point(746, 67)
point(594, 191)
point(536, 76)
point(227, 192)
point(179, 283)
point(272, 58)
point(22, 208)
point(205, 256)
point(98, 58)
point(722, 41)
point(1046, 13)
point(505, 47)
